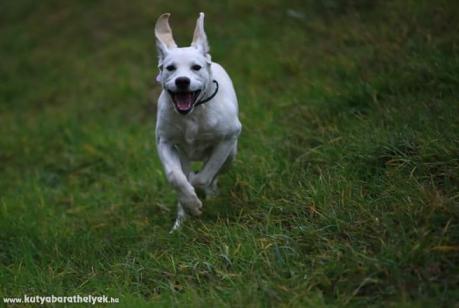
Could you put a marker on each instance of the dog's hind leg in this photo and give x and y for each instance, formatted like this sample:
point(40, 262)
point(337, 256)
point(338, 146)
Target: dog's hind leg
point(212, 190)
point(181, 217)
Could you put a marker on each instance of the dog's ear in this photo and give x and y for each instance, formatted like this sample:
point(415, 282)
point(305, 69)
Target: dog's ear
point(163, 34)
point(200, 37)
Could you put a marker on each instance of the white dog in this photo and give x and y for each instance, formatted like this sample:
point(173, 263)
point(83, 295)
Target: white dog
point(197, 117)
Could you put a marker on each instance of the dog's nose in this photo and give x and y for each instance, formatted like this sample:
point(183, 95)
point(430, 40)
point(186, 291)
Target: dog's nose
point(182, 82)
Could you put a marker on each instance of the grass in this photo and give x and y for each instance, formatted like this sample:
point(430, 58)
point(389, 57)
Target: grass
point(344, 193)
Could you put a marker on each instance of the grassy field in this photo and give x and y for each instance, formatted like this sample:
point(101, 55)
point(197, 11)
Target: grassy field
point(345, 191)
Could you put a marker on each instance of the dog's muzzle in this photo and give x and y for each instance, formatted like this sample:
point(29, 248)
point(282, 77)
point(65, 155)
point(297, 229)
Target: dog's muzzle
point(184, 100)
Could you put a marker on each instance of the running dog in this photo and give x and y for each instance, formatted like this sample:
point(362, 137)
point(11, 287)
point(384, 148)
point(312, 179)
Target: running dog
point(197, 118)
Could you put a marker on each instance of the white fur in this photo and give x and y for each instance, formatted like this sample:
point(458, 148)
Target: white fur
point(208, 133)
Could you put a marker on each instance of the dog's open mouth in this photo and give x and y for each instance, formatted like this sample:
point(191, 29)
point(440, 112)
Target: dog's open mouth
point(184, 100)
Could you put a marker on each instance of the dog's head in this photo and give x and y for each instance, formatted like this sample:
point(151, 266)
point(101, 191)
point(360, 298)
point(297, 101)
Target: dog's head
point(184, 72)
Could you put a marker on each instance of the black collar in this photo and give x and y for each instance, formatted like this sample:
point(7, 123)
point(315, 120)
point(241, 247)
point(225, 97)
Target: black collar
point(202, 101)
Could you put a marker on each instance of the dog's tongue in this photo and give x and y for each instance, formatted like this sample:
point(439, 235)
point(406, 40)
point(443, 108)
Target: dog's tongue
point(184, 101)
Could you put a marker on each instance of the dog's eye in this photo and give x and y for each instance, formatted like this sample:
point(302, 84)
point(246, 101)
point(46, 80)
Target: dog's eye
point(170, 68)
point(196, 67)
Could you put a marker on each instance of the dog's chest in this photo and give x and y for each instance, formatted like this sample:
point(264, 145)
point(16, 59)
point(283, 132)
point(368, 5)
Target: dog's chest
point(190, 131)
point(196, 137)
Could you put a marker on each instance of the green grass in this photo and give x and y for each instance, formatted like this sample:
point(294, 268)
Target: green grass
point(346, 186)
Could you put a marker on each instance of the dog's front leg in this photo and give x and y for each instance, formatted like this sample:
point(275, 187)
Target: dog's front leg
point(173, 169)
point(204, 178)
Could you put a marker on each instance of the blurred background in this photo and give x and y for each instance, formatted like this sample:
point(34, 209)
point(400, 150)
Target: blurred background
point(345, 190)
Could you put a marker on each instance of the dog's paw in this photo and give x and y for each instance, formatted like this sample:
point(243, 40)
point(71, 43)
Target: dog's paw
point(192, 205)
point(197, 181)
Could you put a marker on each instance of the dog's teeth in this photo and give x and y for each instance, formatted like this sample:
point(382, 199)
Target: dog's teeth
point(184, 101)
